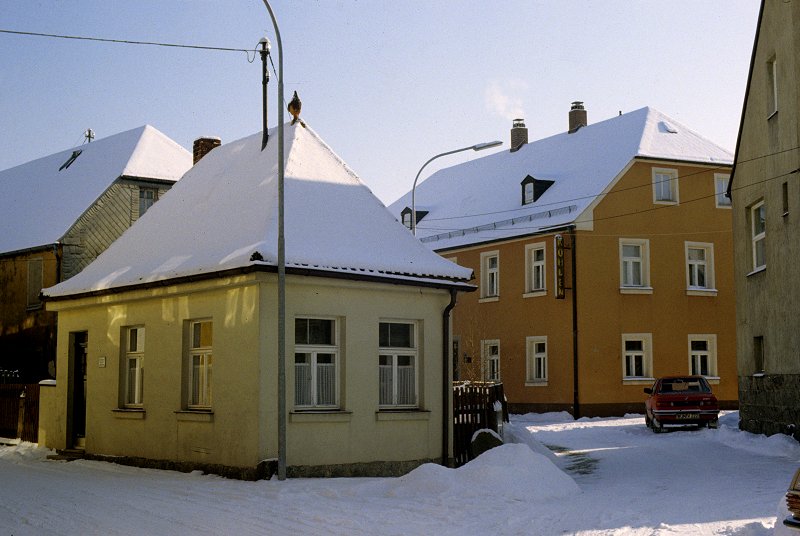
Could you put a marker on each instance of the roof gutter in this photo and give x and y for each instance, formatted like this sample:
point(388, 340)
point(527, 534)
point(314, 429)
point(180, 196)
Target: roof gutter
point(309, 272)
point(447, 386)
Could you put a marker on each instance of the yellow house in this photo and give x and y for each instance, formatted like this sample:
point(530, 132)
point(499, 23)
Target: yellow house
point(604, 257)
point(168, 343)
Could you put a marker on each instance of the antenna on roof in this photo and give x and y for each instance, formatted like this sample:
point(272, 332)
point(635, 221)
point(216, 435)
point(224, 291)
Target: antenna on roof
point(265, 48)
point(88, 135)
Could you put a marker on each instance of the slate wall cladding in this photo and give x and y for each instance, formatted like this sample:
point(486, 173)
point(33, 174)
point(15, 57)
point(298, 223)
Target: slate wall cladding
point(768, 404)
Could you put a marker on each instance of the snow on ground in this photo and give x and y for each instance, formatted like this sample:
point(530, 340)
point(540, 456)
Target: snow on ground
point(607, 476)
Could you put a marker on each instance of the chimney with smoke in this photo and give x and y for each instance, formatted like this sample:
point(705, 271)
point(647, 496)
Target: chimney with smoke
point(519, 134)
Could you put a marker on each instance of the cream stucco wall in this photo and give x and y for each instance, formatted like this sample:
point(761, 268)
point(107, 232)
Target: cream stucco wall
point(241, 429)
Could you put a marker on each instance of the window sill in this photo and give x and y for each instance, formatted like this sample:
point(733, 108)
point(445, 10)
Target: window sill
point(701, 292)
point(638, 381)
point(195, 415)
point(129, 413)
point(664, 202)
point(402, 415)
point(488, 299)
point(333, 415)
point(757, 271)
point(635, 290)
point(535, 294)
point(542, 383)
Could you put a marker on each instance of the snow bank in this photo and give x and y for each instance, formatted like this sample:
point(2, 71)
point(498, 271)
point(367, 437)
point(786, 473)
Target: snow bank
point(510, 471)
point(24, 452)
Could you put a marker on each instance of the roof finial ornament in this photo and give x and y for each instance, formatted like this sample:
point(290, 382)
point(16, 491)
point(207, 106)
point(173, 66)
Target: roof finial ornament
point(294, 108)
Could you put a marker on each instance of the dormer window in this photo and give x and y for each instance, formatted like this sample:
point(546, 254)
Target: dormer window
point(405, 216)
point(532, 189)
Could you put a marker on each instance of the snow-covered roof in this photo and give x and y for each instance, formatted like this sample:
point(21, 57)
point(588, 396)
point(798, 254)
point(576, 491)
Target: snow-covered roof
point(40, 200)
point(480, 200)
point(225, 209)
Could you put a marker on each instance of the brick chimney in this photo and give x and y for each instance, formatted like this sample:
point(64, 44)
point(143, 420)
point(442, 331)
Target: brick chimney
point(203, 145)
point(519, 134)
point(577, 117)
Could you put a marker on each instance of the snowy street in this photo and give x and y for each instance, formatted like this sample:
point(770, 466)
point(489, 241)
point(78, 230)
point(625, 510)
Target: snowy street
point(610, 476)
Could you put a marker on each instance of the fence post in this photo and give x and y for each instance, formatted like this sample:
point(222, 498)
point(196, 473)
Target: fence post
point(21, 418)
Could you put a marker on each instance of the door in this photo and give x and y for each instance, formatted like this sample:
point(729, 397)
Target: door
point(77, 390)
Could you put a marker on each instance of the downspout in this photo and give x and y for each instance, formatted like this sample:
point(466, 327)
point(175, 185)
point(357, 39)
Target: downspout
point(446, 384)
point(576, 408)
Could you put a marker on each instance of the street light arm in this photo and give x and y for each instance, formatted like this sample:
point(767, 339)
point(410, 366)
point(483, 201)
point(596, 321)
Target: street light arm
point(476, 147)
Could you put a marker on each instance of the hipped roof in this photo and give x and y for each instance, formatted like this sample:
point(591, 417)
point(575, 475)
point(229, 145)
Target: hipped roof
point(225, 210)
point(39, 202)
point(480, 200)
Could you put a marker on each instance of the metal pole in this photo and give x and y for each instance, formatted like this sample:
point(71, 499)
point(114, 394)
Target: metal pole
point(281, 267)
point(476, 147)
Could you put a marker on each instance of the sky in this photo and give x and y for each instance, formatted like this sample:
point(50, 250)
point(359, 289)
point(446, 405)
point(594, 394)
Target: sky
point(386, 84)
point(603, 477)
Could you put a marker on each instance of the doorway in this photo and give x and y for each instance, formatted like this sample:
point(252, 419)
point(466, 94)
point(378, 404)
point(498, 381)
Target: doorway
point(76, 423)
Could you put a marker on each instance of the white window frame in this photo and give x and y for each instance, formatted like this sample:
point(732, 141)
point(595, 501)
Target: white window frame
point(536, 373)
point(626, 266)
point(395, 353)
point(133, 363)
point(201, 375)
point(490, 277)
point(646, 355)
point(406, 217)
point(710, 353)
point(528, 193)
point(535, 270)
point(315, 350)
point(693, 267)
point(759, 238)
point(665, 179)
point(720, 188)
point(490, 362)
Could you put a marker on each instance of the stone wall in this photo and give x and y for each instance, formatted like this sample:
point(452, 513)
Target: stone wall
point(768, 404)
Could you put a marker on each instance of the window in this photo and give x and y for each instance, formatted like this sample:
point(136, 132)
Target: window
point(527, 193)
point(665, 185)
point(134, 366)
point(535, 268)
point(201, 361)
point(35, 283)
point(772, 80)
point(758, 228)
point(397, 364)
point(491, 359)
point(637, 356)
point(407, 219)
point(634, 263)
point(703, 355)
point(758, 354)
point(699, 266)
point(537, 359)
point(147, 196)
point(490, 274)
point(316, 354)
point(720, 189)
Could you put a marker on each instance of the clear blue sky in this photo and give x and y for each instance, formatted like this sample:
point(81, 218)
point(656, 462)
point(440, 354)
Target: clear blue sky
point(386, 84)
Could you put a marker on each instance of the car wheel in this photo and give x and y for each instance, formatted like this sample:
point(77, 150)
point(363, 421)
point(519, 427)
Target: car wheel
point(657, 428)
point(647, 421)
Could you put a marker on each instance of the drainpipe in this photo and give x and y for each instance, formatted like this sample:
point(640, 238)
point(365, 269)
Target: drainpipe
point(576, 408)
point(447, 386)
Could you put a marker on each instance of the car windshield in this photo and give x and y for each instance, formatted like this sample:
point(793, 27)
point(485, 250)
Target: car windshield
point(684, 385)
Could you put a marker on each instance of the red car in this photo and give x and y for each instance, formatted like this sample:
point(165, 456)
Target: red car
point(680, 400)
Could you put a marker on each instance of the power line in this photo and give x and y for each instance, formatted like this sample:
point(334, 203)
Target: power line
point(126, 41)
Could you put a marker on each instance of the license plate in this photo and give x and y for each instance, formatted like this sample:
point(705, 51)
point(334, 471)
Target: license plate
point(687, 416)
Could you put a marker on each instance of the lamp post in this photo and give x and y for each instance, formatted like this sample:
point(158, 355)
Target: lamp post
point(476, 147)
point(281, 266)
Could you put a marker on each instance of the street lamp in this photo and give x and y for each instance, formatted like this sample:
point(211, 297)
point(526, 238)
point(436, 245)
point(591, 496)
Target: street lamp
point(476, 147)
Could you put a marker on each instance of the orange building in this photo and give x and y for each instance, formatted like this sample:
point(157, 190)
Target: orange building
point(604, 259)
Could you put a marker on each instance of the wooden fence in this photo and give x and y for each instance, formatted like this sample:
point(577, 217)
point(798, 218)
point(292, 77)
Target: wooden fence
point(473, 410)
point(19, 415)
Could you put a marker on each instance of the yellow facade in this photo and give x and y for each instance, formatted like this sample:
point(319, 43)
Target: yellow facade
point(665, 311)
point(239, 428)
